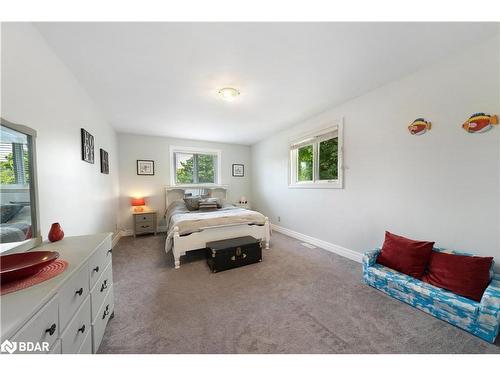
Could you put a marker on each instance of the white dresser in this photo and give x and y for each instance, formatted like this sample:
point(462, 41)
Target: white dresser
point(71, 310)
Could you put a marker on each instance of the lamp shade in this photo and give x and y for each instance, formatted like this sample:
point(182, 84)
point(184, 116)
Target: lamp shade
point(138, 202)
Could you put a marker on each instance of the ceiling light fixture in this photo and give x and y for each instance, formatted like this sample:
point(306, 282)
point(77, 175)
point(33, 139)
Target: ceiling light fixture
point(229, 93)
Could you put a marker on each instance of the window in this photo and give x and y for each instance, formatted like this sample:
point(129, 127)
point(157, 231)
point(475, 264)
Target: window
point(19, 226)
point(305, 163)
point(315, 159)
point(195, 166)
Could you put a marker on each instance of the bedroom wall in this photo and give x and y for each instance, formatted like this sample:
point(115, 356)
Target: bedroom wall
point(135, 147)
point(39, 91)
point(442, 186)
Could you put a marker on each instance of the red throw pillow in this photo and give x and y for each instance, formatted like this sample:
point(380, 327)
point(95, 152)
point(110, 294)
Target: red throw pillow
point(404, 255)
point(464, 275)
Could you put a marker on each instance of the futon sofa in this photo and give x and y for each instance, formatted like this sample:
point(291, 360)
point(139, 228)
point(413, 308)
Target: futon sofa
point(479, 318)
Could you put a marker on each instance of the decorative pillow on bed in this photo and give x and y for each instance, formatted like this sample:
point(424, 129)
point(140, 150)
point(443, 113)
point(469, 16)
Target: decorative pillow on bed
point(9, 211)
point(209, 204)
point(192, 203)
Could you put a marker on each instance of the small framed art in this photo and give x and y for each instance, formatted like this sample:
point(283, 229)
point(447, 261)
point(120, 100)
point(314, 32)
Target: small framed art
point(87, 146)
point(104, 162)
point(145, 167)
point(238, 170)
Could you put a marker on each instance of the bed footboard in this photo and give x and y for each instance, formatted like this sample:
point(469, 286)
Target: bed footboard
point(198, 240)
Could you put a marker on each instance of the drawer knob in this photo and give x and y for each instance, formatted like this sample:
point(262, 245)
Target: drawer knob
point(96, 269)
point(79, 291)
point(104, 285)
point(106, 312)
point(81, 329)
point(51, 330)
point(110, 251)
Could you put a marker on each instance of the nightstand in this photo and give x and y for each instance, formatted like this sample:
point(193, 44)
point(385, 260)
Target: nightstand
point(144, 222)
point(243, 205)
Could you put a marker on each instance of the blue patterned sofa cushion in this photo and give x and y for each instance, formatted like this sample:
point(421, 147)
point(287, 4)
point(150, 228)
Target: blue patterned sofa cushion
point(481, 319)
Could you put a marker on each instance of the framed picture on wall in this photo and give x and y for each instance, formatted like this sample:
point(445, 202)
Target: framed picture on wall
point(87, 146)
point(145, 167)
point(104, 162)
point(238, 170)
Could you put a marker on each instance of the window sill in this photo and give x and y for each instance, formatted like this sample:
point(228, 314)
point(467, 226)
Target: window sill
point(317, 185)
point(205, 185)
point(13, 188)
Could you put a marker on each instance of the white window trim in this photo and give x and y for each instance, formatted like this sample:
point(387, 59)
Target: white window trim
point(13, 188)
point(317, 184)
point(196, 150)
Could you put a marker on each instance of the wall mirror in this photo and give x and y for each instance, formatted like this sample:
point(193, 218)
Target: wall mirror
point(19, 227)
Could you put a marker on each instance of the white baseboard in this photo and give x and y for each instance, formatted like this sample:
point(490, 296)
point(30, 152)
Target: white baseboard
point(116, 238)
point(347, 253)
point(130, 232)
point(127, 232)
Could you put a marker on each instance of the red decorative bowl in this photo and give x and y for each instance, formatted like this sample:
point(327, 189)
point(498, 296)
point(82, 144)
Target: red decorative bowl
point(20, 265)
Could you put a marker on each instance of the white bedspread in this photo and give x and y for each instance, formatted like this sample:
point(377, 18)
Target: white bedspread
point(194, 221)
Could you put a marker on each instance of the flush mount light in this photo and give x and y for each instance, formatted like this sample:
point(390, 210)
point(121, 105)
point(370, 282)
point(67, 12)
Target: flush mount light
point(229, 93)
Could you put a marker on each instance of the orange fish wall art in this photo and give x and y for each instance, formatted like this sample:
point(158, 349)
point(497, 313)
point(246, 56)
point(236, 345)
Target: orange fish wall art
point(419, 126)
point(480, 123)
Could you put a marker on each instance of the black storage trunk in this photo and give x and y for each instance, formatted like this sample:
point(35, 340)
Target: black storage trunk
point(234, 252)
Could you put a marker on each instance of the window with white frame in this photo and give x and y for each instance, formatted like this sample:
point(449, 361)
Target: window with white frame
point(316, 159)
point(190, 166)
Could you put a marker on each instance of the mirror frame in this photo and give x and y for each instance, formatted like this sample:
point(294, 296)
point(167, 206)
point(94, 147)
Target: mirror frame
point(36, 240)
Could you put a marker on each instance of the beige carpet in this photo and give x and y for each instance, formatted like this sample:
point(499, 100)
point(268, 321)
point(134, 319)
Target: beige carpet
point(298, 300)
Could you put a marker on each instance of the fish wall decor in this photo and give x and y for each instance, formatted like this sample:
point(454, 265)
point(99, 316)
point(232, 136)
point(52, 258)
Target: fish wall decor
point(480, 123)
point(419, 126)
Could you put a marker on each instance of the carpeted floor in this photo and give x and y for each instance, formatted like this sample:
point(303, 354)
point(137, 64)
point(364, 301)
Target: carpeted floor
point(298, 300)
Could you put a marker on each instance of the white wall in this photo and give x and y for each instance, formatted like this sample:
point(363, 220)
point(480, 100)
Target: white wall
point(134, 147)
point(498, 226)
point(40, 92)
point(442, 186)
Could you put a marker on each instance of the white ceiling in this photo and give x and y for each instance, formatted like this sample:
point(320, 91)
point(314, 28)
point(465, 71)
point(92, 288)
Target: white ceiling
point(163, 78)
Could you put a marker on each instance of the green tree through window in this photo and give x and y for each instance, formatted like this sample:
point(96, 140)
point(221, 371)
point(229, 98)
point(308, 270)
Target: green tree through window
point(7, 169)
point(206, 170)
point(305, 163)
point(184, 174)
point(328, 159)
point(195, 168)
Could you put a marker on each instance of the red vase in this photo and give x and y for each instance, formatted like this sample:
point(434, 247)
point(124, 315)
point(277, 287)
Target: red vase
point(56, 233)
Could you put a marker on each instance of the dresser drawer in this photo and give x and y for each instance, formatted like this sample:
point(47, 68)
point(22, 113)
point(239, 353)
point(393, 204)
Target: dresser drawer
point(56, 349)
point(74, 335)
point(86, 347)
point(98, 262)
point(102, 318)
point(72, 295)
point(144, 218)
point(100, 290)
point(144, 227)
point(43, 327)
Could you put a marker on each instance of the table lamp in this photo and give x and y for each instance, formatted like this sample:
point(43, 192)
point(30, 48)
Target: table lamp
point(138, 204)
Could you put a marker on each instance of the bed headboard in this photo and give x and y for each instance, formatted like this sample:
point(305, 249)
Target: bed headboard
point(174, 193)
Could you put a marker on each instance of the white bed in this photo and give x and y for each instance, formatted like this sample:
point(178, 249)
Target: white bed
point(191, 231)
